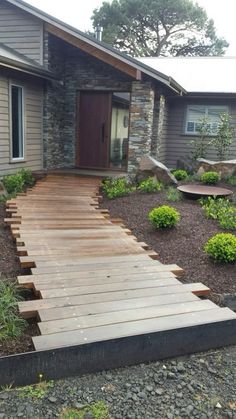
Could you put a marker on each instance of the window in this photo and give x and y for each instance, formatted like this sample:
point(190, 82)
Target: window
point(195, 113)
point(17, 123)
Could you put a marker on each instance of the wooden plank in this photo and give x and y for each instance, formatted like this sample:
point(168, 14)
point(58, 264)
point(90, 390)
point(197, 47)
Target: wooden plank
point(101, 288)
point(110, 306)
point(29, 308)
point(84, 322)
point(121, 330)
point(45, 282)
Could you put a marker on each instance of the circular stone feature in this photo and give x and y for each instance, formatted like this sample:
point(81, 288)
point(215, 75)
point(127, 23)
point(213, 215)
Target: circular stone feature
point(196, 191)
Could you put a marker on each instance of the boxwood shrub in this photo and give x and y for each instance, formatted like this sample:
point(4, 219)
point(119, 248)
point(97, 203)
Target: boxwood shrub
point(222, 247)
point(210, 178)
point(164, 217)
point(180, 174)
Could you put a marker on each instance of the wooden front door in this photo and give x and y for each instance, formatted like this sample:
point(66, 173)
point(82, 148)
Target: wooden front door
point(94, 129)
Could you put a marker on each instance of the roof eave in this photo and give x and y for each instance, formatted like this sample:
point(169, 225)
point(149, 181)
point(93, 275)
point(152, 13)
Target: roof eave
point(18, 66)
point(171, 83)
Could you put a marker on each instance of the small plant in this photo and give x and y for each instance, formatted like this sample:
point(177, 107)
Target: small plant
point(13, 183)
point(164, 217)
point(27, 177)
point(97, 410)
point(227, 219)
point(215, 207)
point(202, 141)
point(36, 391)
point(210, 178)
point(222, 247)
point(180, 174)
point(16, 183)
point(11, 324)
point(114, 188)
point(224, 136)
point(150, 185)
point(232, 180)
point(172, 194)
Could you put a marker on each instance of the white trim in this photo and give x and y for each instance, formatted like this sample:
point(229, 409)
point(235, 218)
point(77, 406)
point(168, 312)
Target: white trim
point(17, 159)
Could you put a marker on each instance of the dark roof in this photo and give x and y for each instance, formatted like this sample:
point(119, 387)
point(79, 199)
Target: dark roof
point(166, 80)
point(9, 58)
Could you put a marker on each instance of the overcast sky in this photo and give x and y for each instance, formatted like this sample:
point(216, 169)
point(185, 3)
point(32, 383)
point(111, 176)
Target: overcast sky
point(78, 12)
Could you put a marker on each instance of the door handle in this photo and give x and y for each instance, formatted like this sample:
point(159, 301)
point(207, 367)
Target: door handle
point(103, 132)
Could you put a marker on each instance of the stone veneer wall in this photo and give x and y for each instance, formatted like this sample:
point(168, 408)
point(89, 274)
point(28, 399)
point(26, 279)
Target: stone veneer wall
point(54, 105)
point(79, 71)
point(141, 123)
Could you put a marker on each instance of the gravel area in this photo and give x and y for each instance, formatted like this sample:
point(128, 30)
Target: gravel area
point(198, 386)
point(183, 244)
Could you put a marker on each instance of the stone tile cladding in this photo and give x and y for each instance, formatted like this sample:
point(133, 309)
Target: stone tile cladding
point(79, 71)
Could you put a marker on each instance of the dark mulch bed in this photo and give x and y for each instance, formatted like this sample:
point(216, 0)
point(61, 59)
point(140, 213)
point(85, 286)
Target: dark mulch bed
point(183, 244)
point(9, 270)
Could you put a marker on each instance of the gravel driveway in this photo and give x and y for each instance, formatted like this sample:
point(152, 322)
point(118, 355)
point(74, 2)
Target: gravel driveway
point(198, 386)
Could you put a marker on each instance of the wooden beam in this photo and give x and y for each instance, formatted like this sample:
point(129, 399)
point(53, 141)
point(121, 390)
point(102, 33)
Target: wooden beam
point(94, 51)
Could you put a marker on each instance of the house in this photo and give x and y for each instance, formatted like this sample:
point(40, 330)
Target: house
point(68, 100)
point(210, 85)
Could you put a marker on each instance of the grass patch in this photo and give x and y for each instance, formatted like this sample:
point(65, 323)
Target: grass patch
point(36, 391)
point(98, 410)
point(11, 324)
point(173, 195)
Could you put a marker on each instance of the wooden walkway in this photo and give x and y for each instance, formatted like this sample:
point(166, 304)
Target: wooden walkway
point(94, 281)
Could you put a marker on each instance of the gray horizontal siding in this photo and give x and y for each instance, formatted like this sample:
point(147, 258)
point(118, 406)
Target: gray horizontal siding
point(21, 31)
point(178, 145)
point(33, 94)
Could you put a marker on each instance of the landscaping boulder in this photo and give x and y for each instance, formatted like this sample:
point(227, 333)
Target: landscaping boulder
point(148, 166)
point(225, 168)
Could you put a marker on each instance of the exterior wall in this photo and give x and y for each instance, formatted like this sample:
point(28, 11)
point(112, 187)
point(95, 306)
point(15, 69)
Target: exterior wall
point(178, 144)
point(78, 71)
point(21, 31)
point(33, 94)
point(141, 122)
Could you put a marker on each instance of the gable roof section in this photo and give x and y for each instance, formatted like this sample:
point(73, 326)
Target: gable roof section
point(96, 48)
point(9, 58)
point(207, 75)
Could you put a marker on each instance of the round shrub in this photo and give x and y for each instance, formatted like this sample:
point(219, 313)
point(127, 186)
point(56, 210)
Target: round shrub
point(210, 178)
point(180, 174)
point(222, 247)
point(164, 217)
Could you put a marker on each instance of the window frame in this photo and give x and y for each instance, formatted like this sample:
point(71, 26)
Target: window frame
point(225, 109)
point(17, 159)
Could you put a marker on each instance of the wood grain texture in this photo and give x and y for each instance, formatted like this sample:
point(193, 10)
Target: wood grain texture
point(92, 279)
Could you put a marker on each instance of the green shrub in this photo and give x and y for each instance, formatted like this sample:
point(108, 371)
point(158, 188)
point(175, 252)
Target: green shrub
point(210, 178)
point(172, 194)
point(114, 188)
point(215, 207)
point(27, 177)
point(227, 219)
point(222, 247)
point(164, 216)
point(13, 183)
point(150, 185)
point(180, 174)
point(16, 183)
point(11, 324)
point(232, 180)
